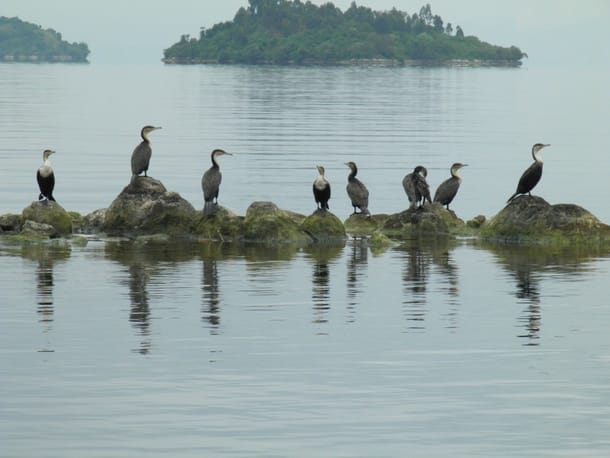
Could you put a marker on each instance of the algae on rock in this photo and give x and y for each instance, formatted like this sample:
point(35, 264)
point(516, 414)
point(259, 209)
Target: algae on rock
point(145, 207)
point(223, 225)
point(531, 218)
point(266, 223)
point(323, 226)
point(47, 212)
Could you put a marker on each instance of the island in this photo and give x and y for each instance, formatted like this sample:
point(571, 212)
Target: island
point(293, 32)
point(22, 41)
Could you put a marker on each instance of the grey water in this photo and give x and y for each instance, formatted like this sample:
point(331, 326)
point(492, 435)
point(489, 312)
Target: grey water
point(427, 348)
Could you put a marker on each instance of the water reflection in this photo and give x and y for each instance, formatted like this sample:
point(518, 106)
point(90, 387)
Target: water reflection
point(144, 262)
point(528, 265)
point(46, 257)
point(356, 271)
point(418, 258)
point(210, 291)
point(264, 265)
point(321, 257)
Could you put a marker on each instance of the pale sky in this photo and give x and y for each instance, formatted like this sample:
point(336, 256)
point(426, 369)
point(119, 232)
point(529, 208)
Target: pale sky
point(555, 32)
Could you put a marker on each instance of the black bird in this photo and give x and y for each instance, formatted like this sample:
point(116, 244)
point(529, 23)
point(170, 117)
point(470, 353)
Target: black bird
point(46, 177)
point(416, 187)
point(532, 175)
point(356, 191)
point(210, 183)
point(447, 190)
point(140, 158)
point(321, 189)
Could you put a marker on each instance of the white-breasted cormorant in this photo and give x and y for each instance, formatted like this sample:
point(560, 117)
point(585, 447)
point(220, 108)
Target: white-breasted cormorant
point(416, 187)
point(210, 183)
point(532, 175)
point(356, 190)
point(321, 189)
point(140, 158)
point(46, 177)
point(447, 190)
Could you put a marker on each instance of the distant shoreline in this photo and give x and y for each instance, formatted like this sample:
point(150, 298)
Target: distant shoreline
point(357, 63)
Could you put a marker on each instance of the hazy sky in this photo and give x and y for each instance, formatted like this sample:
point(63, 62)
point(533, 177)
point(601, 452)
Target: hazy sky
point(551, 31)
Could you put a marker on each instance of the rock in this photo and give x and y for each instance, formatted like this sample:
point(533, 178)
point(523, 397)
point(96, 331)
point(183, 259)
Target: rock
point(533, 218)
point(476, 222)
point(93, 222)
point(431, 220)
point(359, 224)
point(48, 212)
point(223, 225)
point(145, 207)
point(32, 228)
point(10, 222)
point(323, 226)
point(266, 223)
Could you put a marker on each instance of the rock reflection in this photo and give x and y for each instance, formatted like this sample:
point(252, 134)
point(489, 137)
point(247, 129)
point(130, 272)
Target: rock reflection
point(263, 265)
point(321, 256)
point(528, 265)
point(210, 292)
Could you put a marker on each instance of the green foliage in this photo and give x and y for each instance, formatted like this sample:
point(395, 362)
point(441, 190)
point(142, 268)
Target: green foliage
point(294, 32)
point(23, 41)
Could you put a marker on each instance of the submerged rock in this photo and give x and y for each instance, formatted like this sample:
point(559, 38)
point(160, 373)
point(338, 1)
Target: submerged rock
point(48, 213)
point(533, 218)
point(223, 225)
point(93, 222)
point(266, 223)
point(324, 226)
point(145, 207)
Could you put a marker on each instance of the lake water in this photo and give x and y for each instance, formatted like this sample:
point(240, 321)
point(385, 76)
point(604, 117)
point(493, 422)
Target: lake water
point(430, 348)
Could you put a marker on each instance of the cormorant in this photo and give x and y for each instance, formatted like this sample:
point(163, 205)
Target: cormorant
point(448, 189)
point(532, 175)
point(356, 191)
point(416, 187)
point(46, 177)
point(210, 183)
point(321, 189)
point(140, 158)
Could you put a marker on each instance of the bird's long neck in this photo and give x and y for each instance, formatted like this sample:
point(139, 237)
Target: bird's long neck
point(454, 173)
point(353, 173)
point(144, 136)
point(214, 162)
point(536, 156)
point(46, 162)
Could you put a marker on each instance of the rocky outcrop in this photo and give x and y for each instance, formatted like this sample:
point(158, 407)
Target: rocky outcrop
point(266, 223)
point(223, 226)
point(531, 218)
point(10, 223)
point(431, 220)
point(324, 227)
point(145, 207)
point(47, 213)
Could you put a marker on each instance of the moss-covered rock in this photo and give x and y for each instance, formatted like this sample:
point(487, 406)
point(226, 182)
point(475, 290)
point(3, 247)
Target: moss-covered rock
point(531, 218)
point(266, 223)
point(431, 220)
point(358, 224)
point(145, 207)
point(93, 222)
point(324, 227)
point(10, 223)
point(51, 213)
point(223, 225)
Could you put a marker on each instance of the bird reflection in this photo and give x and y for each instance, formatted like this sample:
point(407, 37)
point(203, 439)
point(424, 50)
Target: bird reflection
point(209, 287)
point(139, 315)
point(528, 291)
point(356, 266)
point(415, 277)
point(444, 262)
point(321, 257)
point(44, 290)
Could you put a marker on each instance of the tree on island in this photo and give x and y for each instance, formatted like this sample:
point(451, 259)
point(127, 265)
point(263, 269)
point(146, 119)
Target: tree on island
point(296, 32)
point(25, 42)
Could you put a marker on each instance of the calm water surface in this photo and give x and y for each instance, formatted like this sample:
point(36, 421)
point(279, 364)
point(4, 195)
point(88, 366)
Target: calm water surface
point(430, 348)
